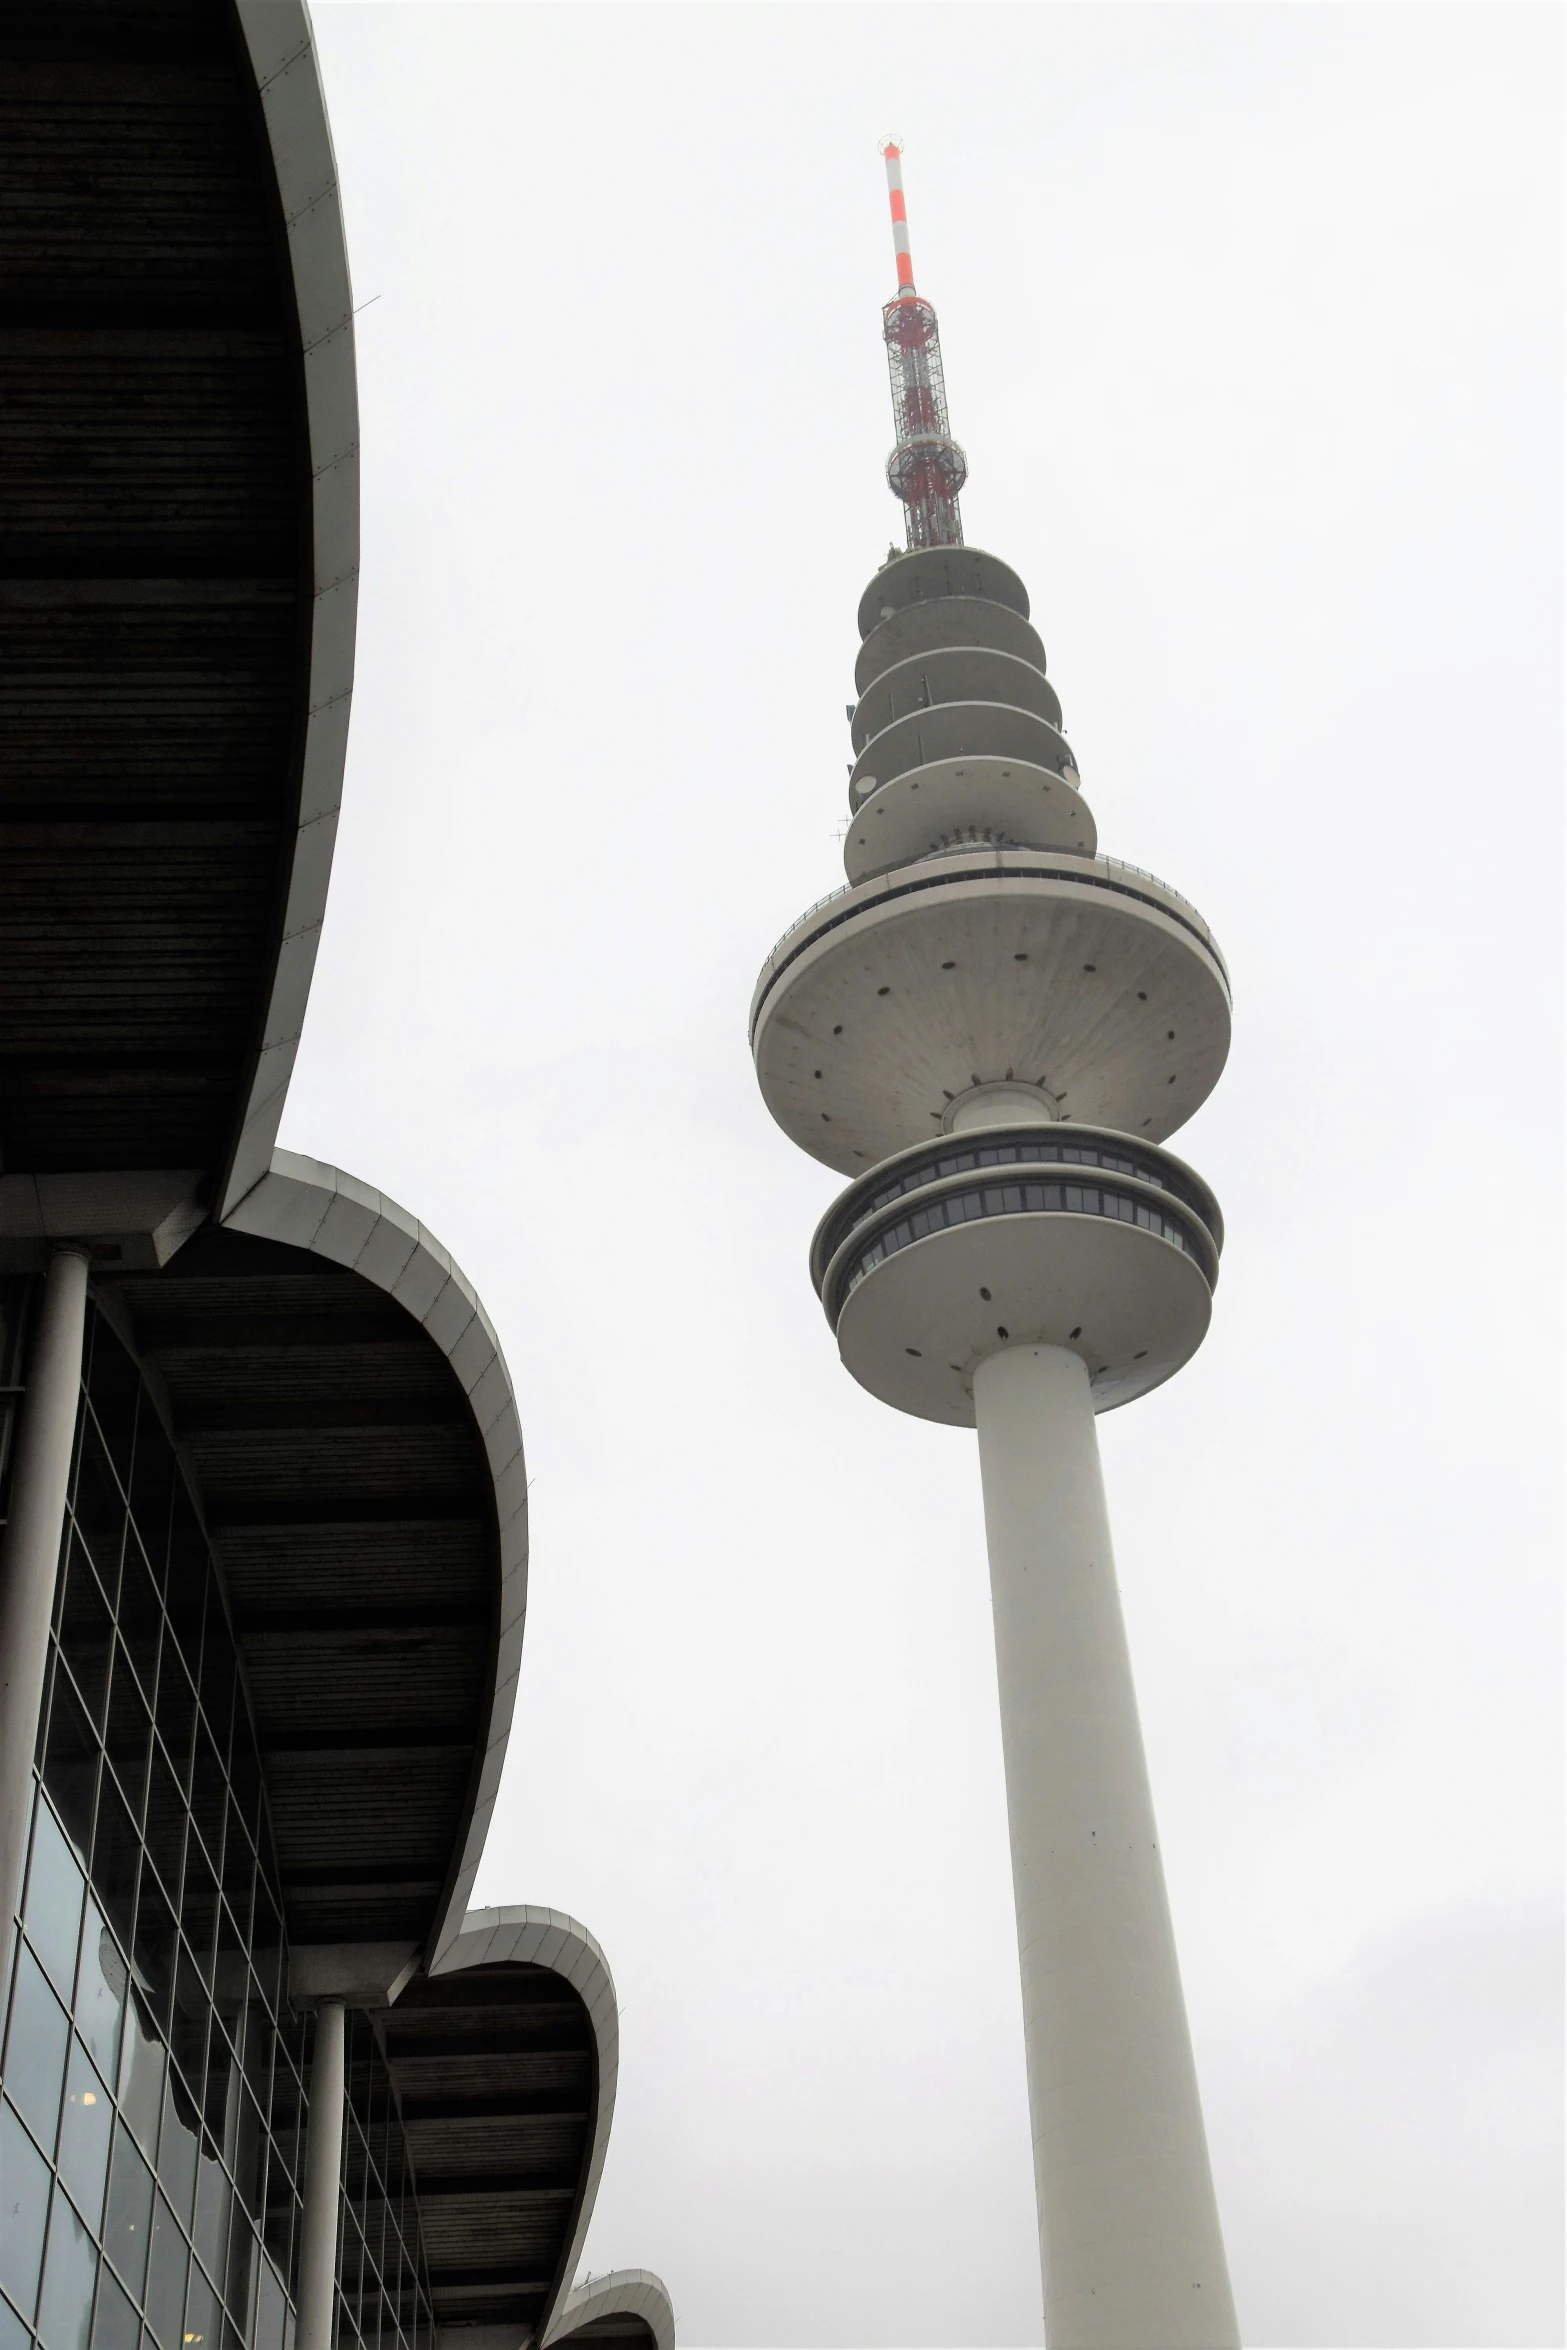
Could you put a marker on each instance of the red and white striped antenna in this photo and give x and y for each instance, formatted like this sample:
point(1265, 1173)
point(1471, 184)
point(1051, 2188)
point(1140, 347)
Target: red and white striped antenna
point(892, 156)
point(927, 468)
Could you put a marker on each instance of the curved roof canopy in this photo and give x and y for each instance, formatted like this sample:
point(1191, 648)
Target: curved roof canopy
point(505, 2059)
point(179, 506)
point(345, 1415)
point(627, 2307)
point(505, 2062)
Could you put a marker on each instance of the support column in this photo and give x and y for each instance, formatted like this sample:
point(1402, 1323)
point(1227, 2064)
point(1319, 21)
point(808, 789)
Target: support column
point(1129, 2238)
point(30, 1558)
point(323, 2173)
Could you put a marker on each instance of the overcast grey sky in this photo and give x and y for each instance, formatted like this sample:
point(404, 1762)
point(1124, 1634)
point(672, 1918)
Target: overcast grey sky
point(1253, 329)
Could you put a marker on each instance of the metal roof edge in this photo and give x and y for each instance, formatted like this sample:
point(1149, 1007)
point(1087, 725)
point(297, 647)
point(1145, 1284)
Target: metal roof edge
point(630, 2292)
point(280, 44)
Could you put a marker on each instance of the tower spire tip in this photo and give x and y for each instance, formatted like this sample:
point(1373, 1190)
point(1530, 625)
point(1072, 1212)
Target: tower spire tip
point(927, 468)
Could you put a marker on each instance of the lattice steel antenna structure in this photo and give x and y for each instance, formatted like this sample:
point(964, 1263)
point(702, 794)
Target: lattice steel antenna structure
point(927, 468)
point(991, 1031)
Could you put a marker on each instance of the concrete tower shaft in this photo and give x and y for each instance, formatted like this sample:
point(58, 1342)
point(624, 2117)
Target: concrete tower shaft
point(1130, 2245)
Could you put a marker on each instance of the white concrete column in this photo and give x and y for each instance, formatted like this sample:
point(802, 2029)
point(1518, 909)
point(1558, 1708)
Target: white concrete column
point(323, 2174)
point(30, 1557)
point(1129, 2237)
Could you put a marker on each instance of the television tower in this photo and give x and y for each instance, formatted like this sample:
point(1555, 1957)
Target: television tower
point(985, 982)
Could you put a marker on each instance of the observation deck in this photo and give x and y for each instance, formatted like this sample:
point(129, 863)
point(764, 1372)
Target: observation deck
point(1095, 987)
point(1018, 1235)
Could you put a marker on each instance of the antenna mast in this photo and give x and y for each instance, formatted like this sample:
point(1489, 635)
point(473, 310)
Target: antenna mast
point(927, 468)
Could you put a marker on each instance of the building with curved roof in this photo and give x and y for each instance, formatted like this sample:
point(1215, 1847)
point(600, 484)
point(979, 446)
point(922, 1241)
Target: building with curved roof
point(266, 2079)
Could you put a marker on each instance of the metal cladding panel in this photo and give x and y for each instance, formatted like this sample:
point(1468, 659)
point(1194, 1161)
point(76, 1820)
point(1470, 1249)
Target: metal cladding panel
point(389, 1466)
point(390, 1802)
point(622, 2327)
point(385, 1571)
point(296, 1674)
point(626, 2306)
point(511, 2142)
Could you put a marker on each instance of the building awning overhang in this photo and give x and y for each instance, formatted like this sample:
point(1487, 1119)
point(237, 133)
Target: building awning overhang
point(180, 444)
point(346, 1419)
point(180, 504)
point(504, 2059)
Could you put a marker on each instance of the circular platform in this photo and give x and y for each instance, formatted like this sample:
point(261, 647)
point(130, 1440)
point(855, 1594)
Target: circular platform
point(1023, 1237)
point(958, 730)
point(929, 681)
point(949, 620)
point(1073, 974)
point(950, 803)
point(929, 572)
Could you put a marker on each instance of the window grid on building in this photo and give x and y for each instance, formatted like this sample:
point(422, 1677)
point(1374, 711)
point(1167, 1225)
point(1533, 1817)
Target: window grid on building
point(153, 2103)
point(383, 2298)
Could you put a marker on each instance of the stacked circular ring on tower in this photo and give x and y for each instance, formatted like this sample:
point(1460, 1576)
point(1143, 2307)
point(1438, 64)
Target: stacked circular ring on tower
point(992, 1028)
point(957, 731)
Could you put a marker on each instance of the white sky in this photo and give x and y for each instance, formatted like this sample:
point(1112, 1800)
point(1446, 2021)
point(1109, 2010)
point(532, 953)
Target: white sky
point(1253, 329)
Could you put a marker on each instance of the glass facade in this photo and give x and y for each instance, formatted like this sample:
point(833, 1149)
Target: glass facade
point(1037, 1149)
point(383, 2291)
point(1021, 1199)
point(153, 2073)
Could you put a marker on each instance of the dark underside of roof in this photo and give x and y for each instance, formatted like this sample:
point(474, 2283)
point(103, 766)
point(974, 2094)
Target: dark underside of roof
point(154, 581)
point(351, 1512)
point(496, 2074)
